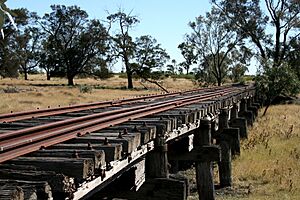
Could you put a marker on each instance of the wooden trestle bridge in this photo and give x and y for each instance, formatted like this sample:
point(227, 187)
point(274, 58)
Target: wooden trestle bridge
point(125, 148)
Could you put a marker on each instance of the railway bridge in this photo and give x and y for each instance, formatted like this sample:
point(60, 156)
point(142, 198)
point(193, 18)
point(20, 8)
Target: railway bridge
point(127, 148)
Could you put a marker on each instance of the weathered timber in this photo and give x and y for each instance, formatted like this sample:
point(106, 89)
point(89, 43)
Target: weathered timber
point(130, 180)
point(252, 108)
point(162, 188)
point(162, 125)
point(155, 121)
point(204, 173)
point(223, 119)
point(234, 111)
point(98, 156)
point(204, 153)
point(225, 164)
point(33, 190)
point(157, 160)
point(181, 118)
point(238, 122)
point(234, 141)
point(241, 124)
point(134, 137)
point(246, 113)
point(17, 167)
point(192, 114)
point(176, 147)
point(78, 168)
point(61, 185)
point(11, 192)
point(128, 144)
point(147, 132)
point(172, 188)
point(112, 151)
point(172, 119)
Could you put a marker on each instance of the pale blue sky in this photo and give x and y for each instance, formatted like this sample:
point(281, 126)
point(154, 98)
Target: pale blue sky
point(165, 20)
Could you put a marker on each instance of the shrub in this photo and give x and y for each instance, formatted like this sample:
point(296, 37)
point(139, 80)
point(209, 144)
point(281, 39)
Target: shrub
point(85, 89)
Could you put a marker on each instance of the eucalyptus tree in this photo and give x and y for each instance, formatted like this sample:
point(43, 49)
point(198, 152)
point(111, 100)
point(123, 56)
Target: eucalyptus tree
point(75, 40)
point(123, 44)
point(148, 57)
point(212, 43)
point(9, 61)
point(5, 13)
point(271, 26)
point(189, 53)
point(293, 56)
point(27, 44)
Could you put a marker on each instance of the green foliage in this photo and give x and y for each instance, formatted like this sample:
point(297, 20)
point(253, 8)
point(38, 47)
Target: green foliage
point(253, 21)
point(294, 56)
point(72, 42)
point(5, 12)
point(274, 81)
point(122, 43)
point(85, 89)
point(188, 51)
point(185, 76)
point(148, 55)
point(211, 46)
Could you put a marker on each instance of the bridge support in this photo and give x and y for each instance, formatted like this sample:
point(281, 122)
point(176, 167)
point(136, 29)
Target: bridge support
point(229, 141)
point(252, 107)
point(238, 122)
point(244, 112)
point(157, 160)
point(204, 171)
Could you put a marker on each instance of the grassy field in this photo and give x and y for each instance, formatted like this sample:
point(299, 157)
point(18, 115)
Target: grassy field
point(269, 165)
point(18, 94)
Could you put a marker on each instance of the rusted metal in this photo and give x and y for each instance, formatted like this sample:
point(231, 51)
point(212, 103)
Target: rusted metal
point(11, 117)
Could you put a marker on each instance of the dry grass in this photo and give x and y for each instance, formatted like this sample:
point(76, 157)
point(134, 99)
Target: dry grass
point(18, 94)
point(269, 165)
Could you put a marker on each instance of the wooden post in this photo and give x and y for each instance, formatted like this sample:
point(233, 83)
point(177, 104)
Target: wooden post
point(234, 111)
point(157, 160)
point(243, 105)
point(244, 112)
point(225, 163)
point(204, 173)
point(223, 119)
point(252, 107)
point(238, 122)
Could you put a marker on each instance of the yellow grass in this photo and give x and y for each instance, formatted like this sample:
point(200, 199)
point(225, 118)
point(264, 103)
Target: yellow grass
point(270, 162)
point(269, 165)
point(37, 92)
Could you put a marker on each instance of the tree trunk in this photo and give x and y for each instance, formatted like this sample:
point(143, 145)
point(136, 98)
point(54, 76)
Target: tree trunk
point(70, 80)
point(129, 79)
point(219, 82)
point(48, 76)
point(25, 75)
point(267, 107)
point(129, 74)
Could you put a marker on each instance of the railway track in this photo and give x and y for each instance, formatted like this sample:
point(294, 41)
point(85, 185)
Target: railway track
point(55, 133)
point(91, 107)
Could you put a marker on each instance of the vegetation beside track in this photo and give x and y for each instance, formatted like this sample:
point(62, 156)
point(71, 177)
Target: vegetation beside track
point(268, 167)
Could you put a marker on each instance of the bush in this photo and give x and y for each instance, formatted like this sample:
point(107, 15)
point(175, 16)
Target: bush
point(85, 89)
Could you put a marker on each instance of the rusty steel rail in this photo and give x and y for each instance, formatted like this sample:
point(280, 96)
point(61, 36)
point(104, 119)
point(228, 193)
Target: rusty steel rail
point(23, 115)
point(20, 142)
